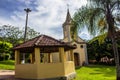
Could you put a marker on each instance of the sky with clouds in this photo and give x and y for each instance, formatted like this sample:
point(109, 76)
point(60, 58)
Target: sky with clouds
point(47, 16)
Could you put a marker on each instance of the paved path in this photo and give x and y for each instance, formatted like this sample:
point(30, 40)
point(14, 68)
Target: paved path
point(7, 75)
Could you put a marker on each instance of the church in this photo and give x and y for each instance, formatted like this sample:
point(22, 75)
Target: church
point(80, 53)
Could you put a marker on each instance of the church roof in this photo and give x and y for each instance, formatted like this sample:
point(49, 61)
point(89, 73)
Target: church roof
point(43, 41)
point(68, 18)
point(77, 42)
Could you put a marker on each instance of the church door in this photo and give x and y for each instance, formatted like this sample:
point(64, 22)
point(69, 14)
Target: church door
point(76, 59)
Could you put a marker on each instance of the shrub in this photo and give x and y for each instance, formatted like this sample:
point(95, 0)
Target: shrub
point(4, 56)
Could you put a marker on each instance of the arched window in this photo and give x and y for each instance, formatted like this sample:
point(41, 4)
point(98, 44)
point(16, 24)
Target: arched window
point(75, 45)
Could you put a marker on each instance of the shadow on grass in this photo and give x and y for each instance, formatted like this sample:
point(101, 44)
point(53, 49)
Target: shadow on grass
point(106, 71)
point(77, 67)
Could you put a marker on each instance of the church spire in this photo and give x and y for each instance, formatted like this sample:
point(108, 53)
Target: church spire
point(68, 17)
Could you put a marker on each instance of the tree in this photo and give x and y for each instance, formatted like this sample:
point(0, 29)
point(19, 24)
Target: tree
point(100, 16)
point(15, 35)
point(5, 50)
point(11, 34)
point(96, 48)
point(31, 33)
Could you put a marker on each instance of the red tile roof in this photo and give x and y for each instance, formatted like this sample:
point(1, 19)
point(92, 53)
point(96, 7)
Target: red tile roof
point(43, 41)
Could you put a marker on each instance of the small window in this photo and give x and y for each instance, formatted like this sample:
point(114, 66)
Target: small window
point(75, 45)
point(81, 46)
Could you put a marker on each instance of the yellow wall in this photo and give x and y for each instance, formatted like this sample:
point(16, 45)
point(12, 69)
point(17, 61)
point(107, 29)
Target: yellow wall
point(69, 67)
point(44, 70)
point(50, 70)
point(26, 71)
point(55, 57)
point(81, 52)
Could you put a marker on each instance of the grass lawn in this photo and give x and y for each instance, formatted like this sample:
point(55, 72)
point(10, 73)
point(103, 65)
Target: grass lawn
point(96, 72)
point(93, 72)
point(9, 64)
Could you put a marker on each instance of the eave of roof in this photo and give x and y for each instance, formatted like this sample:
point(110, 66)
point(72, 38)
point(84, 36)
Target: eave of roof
point(43, 42)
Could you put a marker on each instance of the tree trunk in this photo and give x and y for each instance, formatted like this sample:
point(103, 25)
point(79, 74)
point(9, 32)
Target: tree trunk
point(116, 56)
point(111, 34)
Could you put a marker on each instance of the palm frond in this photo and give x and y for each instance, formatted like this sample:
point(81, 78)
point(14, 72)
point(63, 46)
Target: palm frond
point(95, 15)
point(88, 16)
point(115, 4)
point(100, 39)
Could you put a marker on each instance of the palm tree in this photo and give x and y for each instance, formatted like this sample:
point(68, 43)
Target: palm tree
point(100, 16)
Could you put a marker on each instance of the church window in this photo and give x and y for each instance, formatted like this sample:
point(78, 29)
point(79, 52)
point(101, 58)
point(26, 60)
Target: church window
point(81, 46)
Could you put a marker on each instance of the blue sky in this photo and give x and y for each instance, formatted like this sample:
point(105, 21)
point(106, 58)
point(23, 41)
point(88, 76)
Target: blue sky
point(47, 16)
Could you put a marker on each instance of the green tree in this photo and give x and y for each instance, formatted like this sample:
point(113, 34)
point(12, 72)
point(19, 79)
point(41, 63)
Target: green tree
point(11, 34)
point(5, 49)
point(99, 49)
point(15, 35)
point(31, 33)
point(100, 16)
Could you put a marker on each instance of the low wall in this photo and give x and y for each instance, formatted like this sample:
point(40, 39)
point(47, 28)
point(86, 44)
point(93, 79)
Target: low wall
point(69, 67)
point(26, 71)
point(44, 70)
point(50, 70)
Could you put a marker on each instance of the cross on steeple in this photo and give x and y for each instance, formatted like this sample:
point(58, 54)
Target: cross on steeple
point(67, 6)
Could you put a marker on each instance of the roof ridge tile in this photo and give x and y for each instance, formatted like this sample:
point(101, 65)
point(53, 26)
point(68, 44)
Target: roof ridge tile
point(38, 40)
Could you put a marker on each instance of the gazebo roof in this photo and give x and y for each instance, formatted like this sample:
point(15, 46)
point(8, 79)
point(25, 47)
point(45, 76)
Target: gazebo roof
point(46, 43)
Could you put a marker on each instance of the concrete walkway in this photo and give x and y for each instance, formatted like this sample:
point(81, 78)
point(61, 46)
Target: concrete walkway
point(7, 75)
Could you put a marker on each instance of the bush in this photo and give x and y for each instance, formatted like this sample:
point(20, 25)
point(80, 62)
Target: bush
point(1, 58)
point(5, 50)
point(7, 56)
point(4, 57)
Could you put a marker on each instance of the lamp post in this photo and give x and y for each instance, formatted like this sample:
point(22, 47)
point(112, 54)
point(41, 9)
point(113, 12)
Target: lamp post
point(27, 10)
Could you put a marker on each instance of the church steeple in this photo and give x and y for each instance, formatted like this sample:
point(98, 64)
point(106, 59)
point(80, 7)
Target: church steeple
point(68, 18)
point(67, 26)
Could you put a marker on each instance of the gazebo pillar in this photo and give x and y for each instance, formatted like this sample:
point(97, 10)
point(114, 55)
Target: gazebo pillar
point(31, 58)
point(37, 55)
point(72, 55)
point(17, 57)
point(62, 54)
point(50, 57)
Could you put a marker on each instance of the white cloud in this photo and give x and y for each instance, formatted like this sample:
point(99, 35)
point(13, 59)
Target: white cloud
point(48, 14)
point(27, 2)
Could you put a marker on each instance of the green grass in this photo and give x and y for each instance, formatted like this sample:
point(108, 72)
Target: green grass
point(8, 64)
point(96, 72)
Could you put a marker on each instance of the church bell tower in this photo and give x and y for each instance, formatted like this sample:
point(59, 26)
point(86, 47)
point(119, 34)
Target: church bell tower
point(67, 26)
